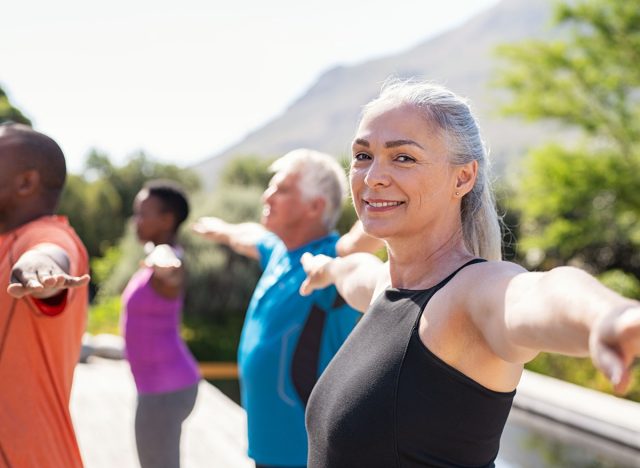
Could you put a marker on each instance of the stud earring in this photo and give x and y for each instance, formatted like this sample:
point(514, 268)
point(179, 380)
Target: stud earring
point(457, 194)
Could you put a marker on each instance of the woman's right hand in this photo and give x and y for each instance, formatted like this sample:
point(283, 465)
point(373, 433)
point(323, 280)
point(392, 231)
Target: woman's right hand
point(316, 268)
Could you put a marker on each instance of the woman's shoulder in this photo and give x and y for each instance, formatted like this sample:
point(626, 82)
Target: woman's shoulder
point(493, 267)
point(482, 278)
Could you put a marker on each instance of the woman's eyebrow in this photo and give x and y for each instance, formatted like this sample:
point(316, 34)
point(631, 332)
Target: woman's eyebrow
point(394, 143)
point(388, 144)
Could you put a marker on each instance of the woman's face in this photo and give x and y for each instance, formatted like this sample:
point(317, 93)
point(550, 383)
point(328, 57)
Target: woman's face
point(152, 223)
point(401, 178)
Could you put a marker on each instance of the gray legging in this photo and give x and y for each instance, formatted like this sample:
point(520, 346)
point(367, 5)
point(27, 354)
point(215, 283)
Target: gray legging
point(158, 426)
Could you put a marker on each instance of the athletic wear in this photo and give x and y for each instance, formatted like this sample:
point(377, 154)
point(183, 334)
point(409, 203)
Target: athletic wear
point(387, 401)
point(39, 347)
point(159, 359)
point(164, 370)
point(287, 340)
point(158, 426)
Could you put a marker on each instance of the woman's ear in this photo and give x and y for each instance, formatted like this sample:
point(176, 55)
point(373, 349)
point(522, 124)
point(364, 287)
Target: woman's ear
point(465, 178)
point(168, 220)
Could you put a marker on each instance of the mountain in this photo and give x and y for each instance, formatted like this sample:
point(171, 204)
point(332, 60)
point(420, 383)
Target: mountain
point(462, 59)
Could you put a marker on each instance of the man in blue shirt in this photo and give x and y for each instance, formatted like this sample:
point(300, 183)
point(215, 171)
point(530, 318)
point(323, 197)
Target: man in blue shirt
point(288, 339)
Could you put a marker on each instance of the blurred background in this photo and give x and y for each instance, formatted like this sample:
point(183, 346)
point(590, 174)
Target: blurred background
point(208, 95)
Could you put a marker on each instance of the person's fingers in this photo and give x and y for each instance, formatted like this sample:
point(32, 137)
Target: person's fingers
point(622, 386)
point(16, 290)
point(198, 228)
point(611, 365)
point(614, 345)
point(206, 224)
point(628, 327)
point(305, 288)
point(19, 290)
point(76, 281)
point(28, 279)
point(306, 260)
point(50, 280)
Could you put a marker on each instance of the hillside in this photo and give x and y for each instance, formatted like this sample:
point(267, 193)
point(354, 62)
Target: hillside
point(462, 59)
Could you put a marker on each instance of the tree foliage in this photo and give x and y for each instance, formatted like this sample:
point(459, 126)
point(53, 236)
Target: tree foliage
point(578, 199)
point(99, 202)
point(10, 113)
point(245, 171)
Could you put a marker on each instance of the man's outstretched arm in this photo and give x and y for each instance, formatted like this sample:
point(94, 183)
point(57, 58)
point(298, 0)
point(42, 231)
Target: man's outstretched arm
point(242, 238)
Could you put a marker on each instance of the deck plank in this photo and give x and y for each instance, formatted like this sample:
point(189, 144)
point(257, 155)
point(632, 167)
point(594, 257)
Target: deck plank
point(102, 408)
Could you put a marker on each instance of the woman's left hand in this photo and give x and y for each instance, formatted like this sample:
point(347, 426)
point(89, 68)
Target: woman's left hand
point(614, 344)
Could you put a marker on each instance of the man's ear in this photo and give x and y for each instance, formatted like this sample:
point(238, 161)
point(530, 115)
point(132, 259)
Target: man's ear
point(465, 178)
point(316, 207)
point(27, 182)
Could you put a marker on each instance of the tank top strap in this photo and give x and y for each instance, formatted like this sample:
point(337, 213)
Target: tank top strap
point(456, 271)
point(424, 296)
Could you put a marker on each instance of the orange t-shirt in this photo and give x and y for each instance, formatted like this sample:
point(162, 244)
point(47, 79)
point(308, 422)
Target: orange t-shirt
point(38, 354)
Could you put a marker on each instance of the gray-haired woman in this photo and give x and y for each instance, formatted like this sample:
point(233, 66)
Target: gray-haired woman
point(428, 376)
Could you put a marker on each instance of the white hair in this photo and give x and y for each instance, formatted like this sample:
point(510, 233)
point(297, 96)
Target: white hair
point(452, 115)
point(320, 176)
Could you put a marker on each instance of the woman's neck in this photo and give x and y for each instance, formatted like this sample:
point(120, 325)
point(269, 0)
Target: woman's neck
point(169, 238)
point(423, 262)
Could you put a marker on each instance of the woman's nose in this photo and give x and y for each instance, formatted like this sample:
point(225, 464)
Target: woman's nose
point(377, 174)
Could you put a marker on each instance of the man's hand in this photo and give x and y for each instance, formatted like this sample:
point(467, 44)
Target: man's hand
point(614, 344)
point(316, 268)
point(242, 238)
point(40, 273)
point(212, 228)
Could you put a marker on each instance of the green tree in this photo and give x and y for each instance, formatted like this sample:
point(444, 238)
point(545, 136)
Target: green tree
point(247, 171)
point(99, 202)
point(10, 113)
point(578, 199)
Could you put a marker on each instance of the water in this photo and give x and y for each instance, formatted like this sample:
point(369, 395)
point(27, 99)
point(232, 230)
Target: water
point(531, 441)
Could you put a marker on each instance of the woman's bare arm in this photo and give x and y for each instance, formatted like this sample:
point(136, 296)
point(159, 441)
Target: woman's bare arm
point(564, 310)
point(356, 276)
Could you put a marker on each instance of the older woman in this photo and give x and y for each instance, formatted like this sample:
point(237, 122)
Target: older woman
point(428, 376)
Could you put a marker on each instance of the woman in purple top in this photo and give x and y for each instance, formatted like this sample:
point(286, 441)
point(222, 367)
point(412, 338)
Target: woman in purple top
point(165, 372)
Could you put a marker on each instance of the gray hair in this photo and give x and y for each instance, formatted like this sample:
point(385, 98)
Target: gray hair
point(452, 115)
point(320, 176)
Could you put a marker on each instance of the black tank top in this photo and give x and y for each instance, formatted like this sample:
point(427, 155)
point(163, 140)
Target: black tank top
point(386, 401)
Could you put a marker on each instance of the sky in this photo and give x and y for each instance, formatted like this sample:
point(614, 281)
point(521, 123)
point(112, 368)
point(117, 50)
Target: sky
point(184, 80)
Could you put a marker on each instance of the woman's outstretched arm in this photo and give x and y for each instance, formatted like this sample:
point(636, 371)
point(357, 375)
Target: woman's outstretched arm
point(356, 276)
point(564, 310)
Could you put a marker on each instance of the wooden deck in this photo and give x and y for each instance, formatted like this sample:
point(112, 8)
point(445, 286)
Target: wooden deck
point(103, 405)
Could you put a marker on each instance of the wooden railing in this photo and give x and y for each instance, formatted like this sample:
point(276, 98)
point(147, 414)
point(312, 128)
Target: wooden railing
point(218, 370)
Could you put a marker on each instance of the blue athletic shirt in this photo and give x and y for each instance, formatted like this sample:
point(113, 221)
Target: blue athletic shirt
point(286, 342)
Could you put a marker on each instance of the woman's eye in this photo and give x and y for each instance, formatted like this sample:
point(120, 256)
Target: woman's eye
point(361, 156)
point(405, 158)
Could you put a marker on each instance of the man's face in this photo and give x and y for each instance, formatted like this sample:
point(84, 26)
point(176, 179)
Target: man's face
point(8, 174)
point(284, 208)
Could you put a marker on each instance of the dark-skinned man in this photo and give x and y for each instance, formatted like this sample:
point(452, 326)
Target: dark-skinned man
point(43, 304)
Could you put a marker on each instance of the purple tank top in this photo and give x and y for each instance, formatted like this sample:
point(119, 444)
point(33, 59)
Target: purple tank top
point(160, 361)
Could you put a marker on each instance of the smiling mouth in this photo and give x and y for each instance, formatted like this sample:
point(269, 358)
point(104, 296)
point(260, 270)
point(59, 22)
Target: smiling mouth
point(384, 204)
